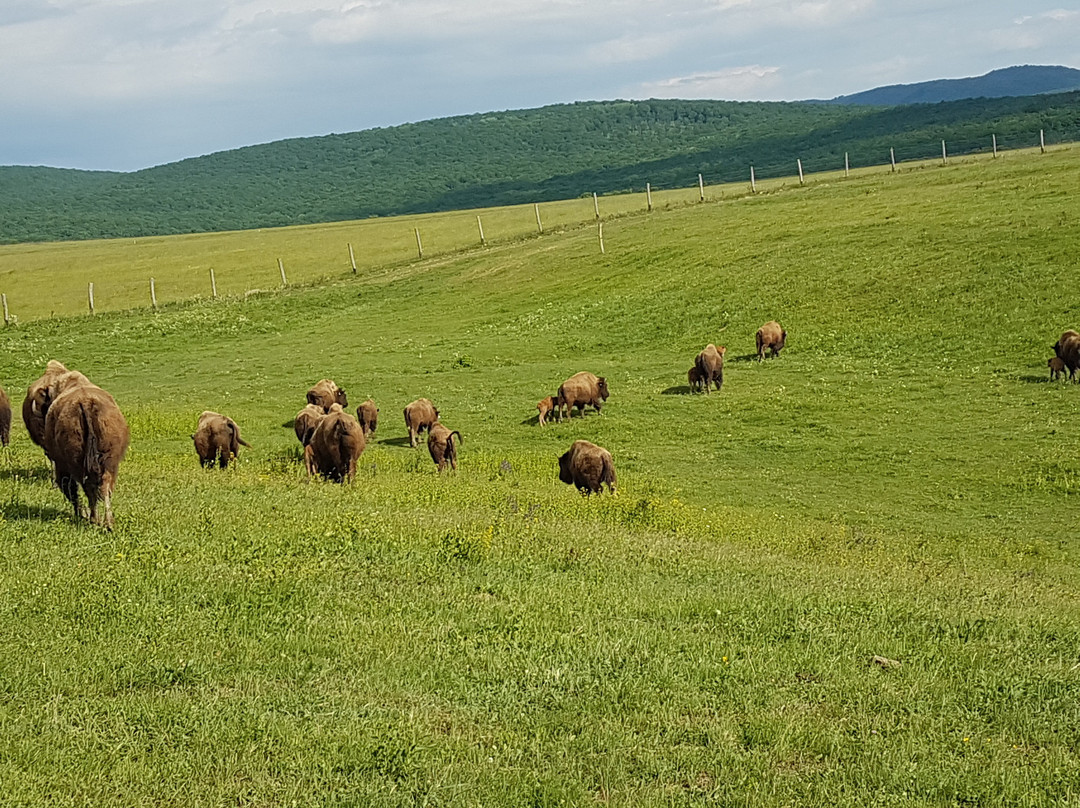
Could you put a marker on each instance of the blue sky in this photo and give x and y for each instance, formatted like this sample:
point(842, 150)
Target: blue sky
point(126, 84)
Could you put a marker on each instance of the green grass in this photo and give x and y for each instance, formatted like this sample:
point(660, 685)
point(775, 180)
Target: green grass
point(903, 481)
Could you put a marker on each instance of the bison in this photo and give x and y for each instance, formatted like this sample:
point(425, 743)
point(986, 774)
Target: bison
point(545, 407)
point(5, 418)
point(36, 404)
point(587, 467)
point(710, 366)
point(85, 437)
point(304, 425)
point(440, 444)
point(326, 392)
point(1067, 349)
point(770, 336)
point(367, 415)
point(336, 445)
point(419, 416)
point(1057, 367)
point(581, 390)
point(217, 437)
point(693, 378)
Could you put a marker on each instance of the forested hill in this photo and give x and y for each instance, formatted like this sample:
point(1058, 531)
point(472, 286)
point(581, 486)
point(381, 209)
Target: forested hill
point(1009, 81)
point(502, 158)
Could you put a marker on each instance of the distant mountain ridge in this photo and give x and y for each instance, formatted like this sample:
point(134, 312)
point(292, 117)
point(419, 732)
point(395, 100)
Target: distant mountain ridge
point(1004, 83)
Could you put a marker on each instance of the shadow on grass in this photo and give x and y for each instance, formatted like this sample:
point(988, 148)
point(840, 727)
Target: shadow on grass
point(678, 390)
point(19, 511)
point(1040, 378)
point(402, 441)
point(750, 357)
point(12, 472)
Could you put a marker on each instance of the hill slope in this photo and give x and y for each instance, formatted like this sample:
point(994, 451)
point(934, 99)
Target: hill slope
point(505, 158)
point(1009, 81)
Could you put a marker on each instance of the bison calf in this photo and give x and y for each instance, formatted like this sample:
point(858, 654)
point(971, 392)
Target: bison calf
point(545, 407)
point(1057, 367)
point(217, 437)
point(1067, 349)
point(440, 444)
point(694, 379)
point(326, 392)
point(336, 445)
point(419, 417)
point(587, 467)
point(770, 336)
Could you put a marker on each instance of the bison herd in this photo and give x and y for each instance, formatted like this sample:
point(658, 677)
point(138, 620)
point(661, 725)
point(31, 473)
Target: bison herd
point(85, 436)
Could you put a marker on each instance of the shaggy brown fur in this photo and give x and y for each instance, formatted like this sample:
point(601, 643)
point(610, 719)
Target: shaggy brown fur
point(367, 414)
point(336, 445)
point(419, 416)
point(693, 378)
point(440, 444)
point(326, 392)
point(304, 426)
point(546, 406)
point(710, 366)
point(86, 437)
point(5, 418)
point(587, 467)
point(1067, 349)
point(770, 336)
point(581, 390)
point(36, 403)
point(1057, 367)
point(217, 437)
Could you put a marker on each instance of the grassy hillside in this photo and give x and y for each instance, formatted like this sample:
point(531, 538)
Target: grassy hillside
point(507, 158)
point(901, 482)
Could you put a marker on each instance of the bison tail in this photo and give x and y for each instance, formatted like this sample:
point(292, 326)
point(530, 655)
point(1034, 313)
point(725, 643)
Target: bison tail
point(92, 461)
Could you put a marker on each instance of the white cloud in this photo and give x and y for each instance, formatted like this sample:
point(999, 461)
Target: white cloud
point(751, 81)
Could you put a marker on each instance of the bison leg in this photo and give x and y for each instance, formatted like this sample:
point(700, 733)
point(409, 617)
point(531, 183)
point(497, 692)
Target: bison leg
point(223, 459)
point(69, 487)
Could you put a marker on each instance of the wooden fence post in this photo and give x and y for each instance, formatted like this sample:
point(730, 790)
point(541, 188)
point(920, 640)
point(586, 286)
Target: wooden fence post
point(701, 188)
point(648, 196)
point(213, 284)
point(539, 225)
point(281, 269)
point(994, 141)
point(600, 235)
point(153, 295)
point(801, 178)
point(7, 317)
point(753, 182)
point(480, 227)
point(892, 159)
point(596, 205)
point(1042, 142)
point(419, 243)
point(944, 154)
point(90, 296)
point(847, 165)
point(352, 258)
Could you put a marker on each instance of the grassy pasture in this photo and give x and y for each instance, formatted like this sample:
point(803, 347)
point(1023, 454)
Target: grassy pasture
point(903, 481)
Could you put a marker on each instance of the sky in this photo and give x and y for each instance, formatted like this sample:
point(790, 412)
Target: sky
point(127, 84)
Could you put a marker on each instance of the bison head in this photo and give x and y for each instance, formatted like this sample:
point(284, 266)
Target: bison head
point(564, 469)
point(601, 383)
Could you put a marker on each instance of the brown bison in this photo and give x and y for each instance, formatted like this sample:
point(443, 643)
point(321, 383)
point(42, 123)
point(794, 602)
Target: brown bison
point(693, 378)
point(440, 444)
point(36, 404)
point(770, 336)
point(1057, 367)
point(419, 416)
point(710, 366)
point(5, 418)
point(85, 437)
point(587, 467)
point(336, 445)
point(367, 415)
point(325, 393)
point(581, 390)
point(304, 426)
point(1067, 349)
point(217, 437)
point(545, 407)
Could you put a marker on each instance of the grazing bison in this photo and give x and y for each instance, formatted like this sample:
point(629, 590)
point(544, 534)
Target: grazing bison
point(581, 390)
point(419, 416)
point(36, 404)
point(545, 407)
point(710, 366)
point(1067, 349)
point(587, 467)
point(367, 415)
point(5, 418)
point(770, 336)
point(440, 444)
point(1057, 367)
point(304, 425)
point(693, 378)
point(325, 393)
point(85, 437)
point(336, 445)
point(217, 437)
